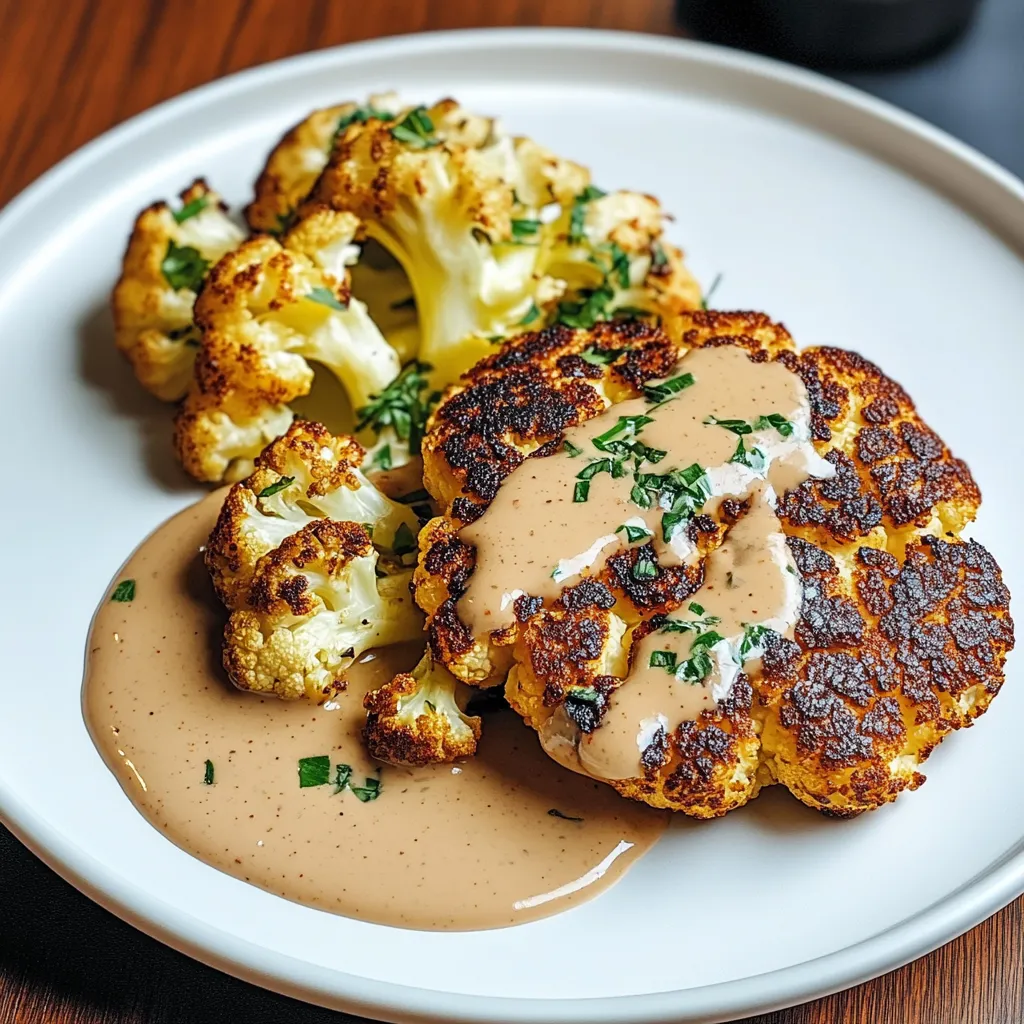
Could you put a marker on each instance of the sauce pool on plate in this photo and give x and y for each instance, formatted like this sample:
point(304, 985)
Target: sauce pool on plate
point(503, 838)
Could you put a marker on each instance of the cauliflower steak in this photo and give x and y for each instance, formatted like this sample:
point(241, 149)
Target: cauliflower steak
point(874, 632)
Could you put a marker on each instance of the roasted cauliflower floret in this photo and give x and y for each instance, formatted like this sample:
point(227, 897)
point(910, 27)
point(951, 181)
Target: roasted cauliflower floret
point(167, 259)
point(458, 202)
point(303, 476)
point(902, 630)
point(296, 161)
point(415, 719)
point(315, 604)
point(267, 310)
point(609, 250)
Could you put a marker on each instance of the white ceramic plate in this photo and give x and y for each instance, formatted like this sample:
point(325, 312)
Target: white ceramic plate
point(856, 224)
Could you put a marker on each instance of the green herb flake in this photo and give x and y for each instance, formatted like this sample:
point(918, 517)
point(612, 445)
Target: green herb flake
point(275, 488)
point(601, 356)
point(326, 297)
point(705, 302)
point(190, 209)
point(360, 115)
point(124, 592)
point(753, 637)
point(402, 406)
point(184, 267)
point(531, 315)
point(658, 257)
point(587, 694)
point(739, 427)
point(776, 420)
point(416, 130)
point(405, 541)
point(581, 491)
point(697, 609)
point(314, 771)
point(370, 790)
point(666, 389)
point(572, 450)
point(342, 774)
point(382, 458)
point(524, 229)
point(556, 813)
point(645, 568)
point(634, 533)
point(664, 659)
point(578, 215)
point(208, 773)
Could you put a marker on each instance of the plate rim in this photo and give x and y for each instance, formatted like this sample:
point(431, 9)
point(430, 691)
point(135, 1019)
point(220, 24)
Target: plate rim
point(956, 912)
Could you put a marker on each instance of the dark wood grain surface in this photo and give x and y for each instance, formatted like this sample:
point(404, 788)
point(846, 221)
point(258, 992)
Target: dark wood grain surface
point(70, 69)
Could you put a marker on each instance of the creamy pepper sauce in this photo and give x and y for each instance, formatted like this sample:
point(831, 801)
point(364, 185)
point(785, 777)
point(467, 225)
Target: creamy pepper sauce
point(734, 429)
point(464, 846)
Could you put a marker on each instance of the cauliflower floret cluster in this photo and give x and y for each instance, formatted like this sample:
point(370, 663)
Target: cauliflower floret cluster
point(267, 311)
point(303, 476)
point(457, 202)
point(415, 719)
point(309, 558)
point(903, 629)
point(168, 256)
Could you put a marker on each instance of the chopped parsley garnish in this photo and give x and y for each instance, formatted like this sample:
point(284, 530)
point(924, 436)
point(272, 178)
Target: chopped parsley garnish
point(663, 659)
point(601, 356)
point(578, 216)
point(342, 773)
point(402, 406)
point(585, 312)
point(405, 541)
point(664, 390)
point(736, 426)
point(753, 458)
point(284, 222)
point(370, 790)
point(407, 303)
point(314, 771)
point(658, 257)
point(184, 267)
point(416, 130)
point(572, 450)
point(679, 493)
point(360, 115)
point(752, 638)
point(645, 568)
point(705, 301)
point(556, 813)
point(524, 229)
point(697, 625)
point(275, 488)
point(208, 773)
point(382, 458)
point(587, 694)
point(743, 427)
point(326, 298)
point(634, 533)
point(531, 315)
point(190, 209)
point(776, 420)
point(124, 592)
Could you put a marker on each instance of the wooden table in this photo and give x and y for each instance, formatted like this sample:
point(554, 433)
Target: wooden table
point(70, 69)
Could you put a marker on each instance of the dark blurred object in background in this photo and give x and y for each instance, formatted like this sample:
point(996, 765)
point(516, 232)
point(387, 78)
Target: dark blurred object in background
point(972, 89)
point(831, 33)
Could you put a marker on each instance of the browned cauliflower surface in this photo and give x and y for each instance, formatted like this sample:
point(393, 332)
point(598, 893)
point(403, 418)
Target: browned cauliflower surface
point(903, 628)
